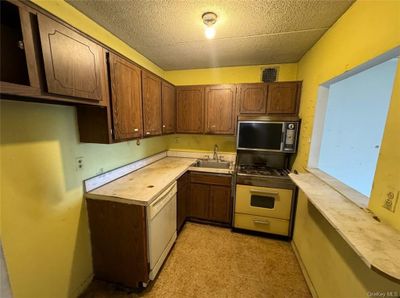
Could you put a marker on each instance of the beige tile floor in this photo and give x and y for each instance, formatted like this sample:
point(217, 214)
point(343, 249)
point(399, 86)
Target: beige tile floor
point(209, 261)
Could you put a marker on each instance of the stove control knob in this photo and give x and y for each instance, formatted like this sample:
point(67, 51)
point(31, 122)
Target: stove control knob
point(291, 126)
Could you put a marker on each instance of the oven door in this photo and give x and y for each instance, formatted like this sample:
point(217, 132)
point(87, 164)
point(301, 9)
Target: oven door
point(263, 201)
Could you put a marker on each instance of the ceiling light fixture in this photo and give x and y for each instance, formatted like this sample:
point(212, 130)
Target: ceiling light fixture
point(209, 19)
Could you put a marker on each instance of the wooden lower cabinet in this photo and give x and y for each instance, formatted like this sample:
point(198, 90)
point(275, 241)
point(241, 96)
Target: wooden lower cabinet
point(119, 242)
point(182, 197)
point(210, 197)
point(199, 201)
point(220, 203)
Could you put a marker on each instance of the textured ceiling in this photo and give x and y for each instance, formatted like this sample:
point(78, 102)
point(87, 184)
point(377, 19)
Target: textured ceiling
point(171, 33)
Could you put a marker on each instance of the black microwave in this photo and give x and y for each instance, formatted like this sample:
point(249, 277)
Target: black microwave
point(278, 136)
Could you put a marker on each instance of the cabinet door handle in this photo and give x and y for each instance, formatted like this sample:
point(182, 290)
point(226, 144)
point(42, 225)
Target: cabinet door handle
point(147, 132)
point(262, 222)
point(136, 129)
point(163, 126)
point(21, 44)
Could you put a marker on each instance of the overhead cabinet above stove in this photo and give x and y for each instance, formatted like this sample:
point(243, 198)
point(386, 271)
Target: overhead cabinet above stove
point(277, 99)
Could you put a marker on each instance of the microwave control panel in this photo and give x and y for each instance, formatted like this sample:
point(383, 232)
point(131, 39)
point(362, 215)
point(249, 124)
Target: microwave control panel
point(290, 136)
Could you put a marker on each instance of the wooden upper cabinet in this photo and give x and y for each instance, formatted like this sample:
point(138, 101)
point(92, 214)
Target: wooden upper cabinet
point(283, 98)
point(220, 102)
point(190, 109)
point(151, 86)
point(126, 98)
point(19, 70)
point(168, 108)
point(72, 63)
point(253, 98)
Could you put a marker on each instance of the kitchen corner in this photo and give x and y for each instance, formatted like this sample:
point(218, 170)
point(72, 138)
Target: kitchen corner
point(145, 203)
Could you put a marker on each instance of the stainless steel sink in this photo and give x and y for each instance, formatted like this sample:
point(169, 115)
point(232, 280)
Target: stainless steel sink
point(202, 163)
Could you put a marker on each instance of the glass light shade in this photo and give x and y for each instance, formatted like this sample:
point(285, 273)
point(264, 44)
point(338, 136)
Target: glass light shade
point(210, 32)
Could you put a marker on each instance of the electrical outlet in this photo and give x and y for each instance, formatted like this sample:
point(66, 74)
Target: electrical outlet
point(391, 201)
point(79, 163)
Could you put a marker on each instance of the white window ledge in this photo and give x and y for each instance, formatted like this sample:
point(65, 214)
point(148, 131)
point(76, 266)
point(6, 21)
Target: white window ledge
point(350, 193)
point(374, 242)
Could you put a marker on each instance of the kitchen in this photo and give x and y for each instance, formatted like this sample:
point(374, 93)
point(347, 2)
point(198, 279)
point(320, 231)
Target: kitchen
point(49, 150)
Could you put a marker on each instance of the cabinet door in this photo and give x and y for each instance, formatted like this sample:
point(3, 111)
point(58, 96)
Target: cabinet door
point(119, 242)
point(190, 109)
point(151, 104)
point(220, 109)
point(198, 201)
point(253, 98)
point(19, 70)
point(220, 208)
point(126, 98)
point(182, 198)
point(168, 108)
point(283, 98)
point(72, 62)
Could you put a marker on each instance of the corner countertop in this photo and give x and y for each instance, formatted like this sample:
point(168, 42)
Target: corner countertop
point(144, 185)
point(141, 187)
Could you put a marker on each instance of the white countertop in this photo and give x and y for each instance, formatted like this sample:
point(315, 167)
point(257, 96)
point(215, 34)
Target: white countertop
point(376, 243)
point(142, 186)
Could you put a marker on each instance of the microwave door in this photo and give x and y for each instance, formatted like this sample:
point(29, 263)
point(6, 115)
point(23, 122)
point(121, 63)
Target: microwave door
point(265, 136)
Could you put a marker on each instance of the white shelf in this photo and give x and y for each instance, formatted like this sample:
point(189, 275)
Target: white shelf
point(376, 243)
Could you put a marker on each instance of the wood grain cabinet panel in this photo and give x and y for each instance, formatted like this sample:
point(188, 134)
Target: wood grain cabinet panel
point(198, 201)
point(168, 108)
point(220, 209)
point(190, 109)
point(220, 102)
point(151, 86)
point(283, 98)
point(183, 195)
point(19, 59)
point(119, 242)
point(72, 62)
point(253, 98)
point(210, 198)
point(126, 98)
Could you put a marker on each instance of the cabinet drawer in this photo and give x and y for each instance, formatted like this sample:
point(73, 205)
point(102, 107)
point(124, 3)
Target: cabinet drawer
point(262, 224)
point(263, 201)
point(210, 179)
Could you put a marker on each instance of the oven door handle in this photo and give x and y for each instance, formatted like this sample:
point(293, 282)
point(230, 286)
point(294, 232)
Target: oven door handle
point(268, 193)
point(263, 222)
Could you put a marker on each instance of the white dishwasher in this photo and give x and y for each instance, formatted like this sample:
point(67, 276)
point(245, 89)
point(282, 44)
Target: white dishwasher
point(161, 217)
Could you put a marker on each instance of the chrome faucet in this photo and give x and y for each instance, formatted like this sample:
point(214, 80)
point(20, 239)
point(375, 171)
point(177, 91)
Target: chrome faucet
point(215, 156)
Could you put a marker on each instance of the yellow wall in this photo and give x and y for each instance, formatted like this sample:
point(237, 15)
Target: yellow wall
point(387, 174)
point(229, 75)
point(366, 30)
